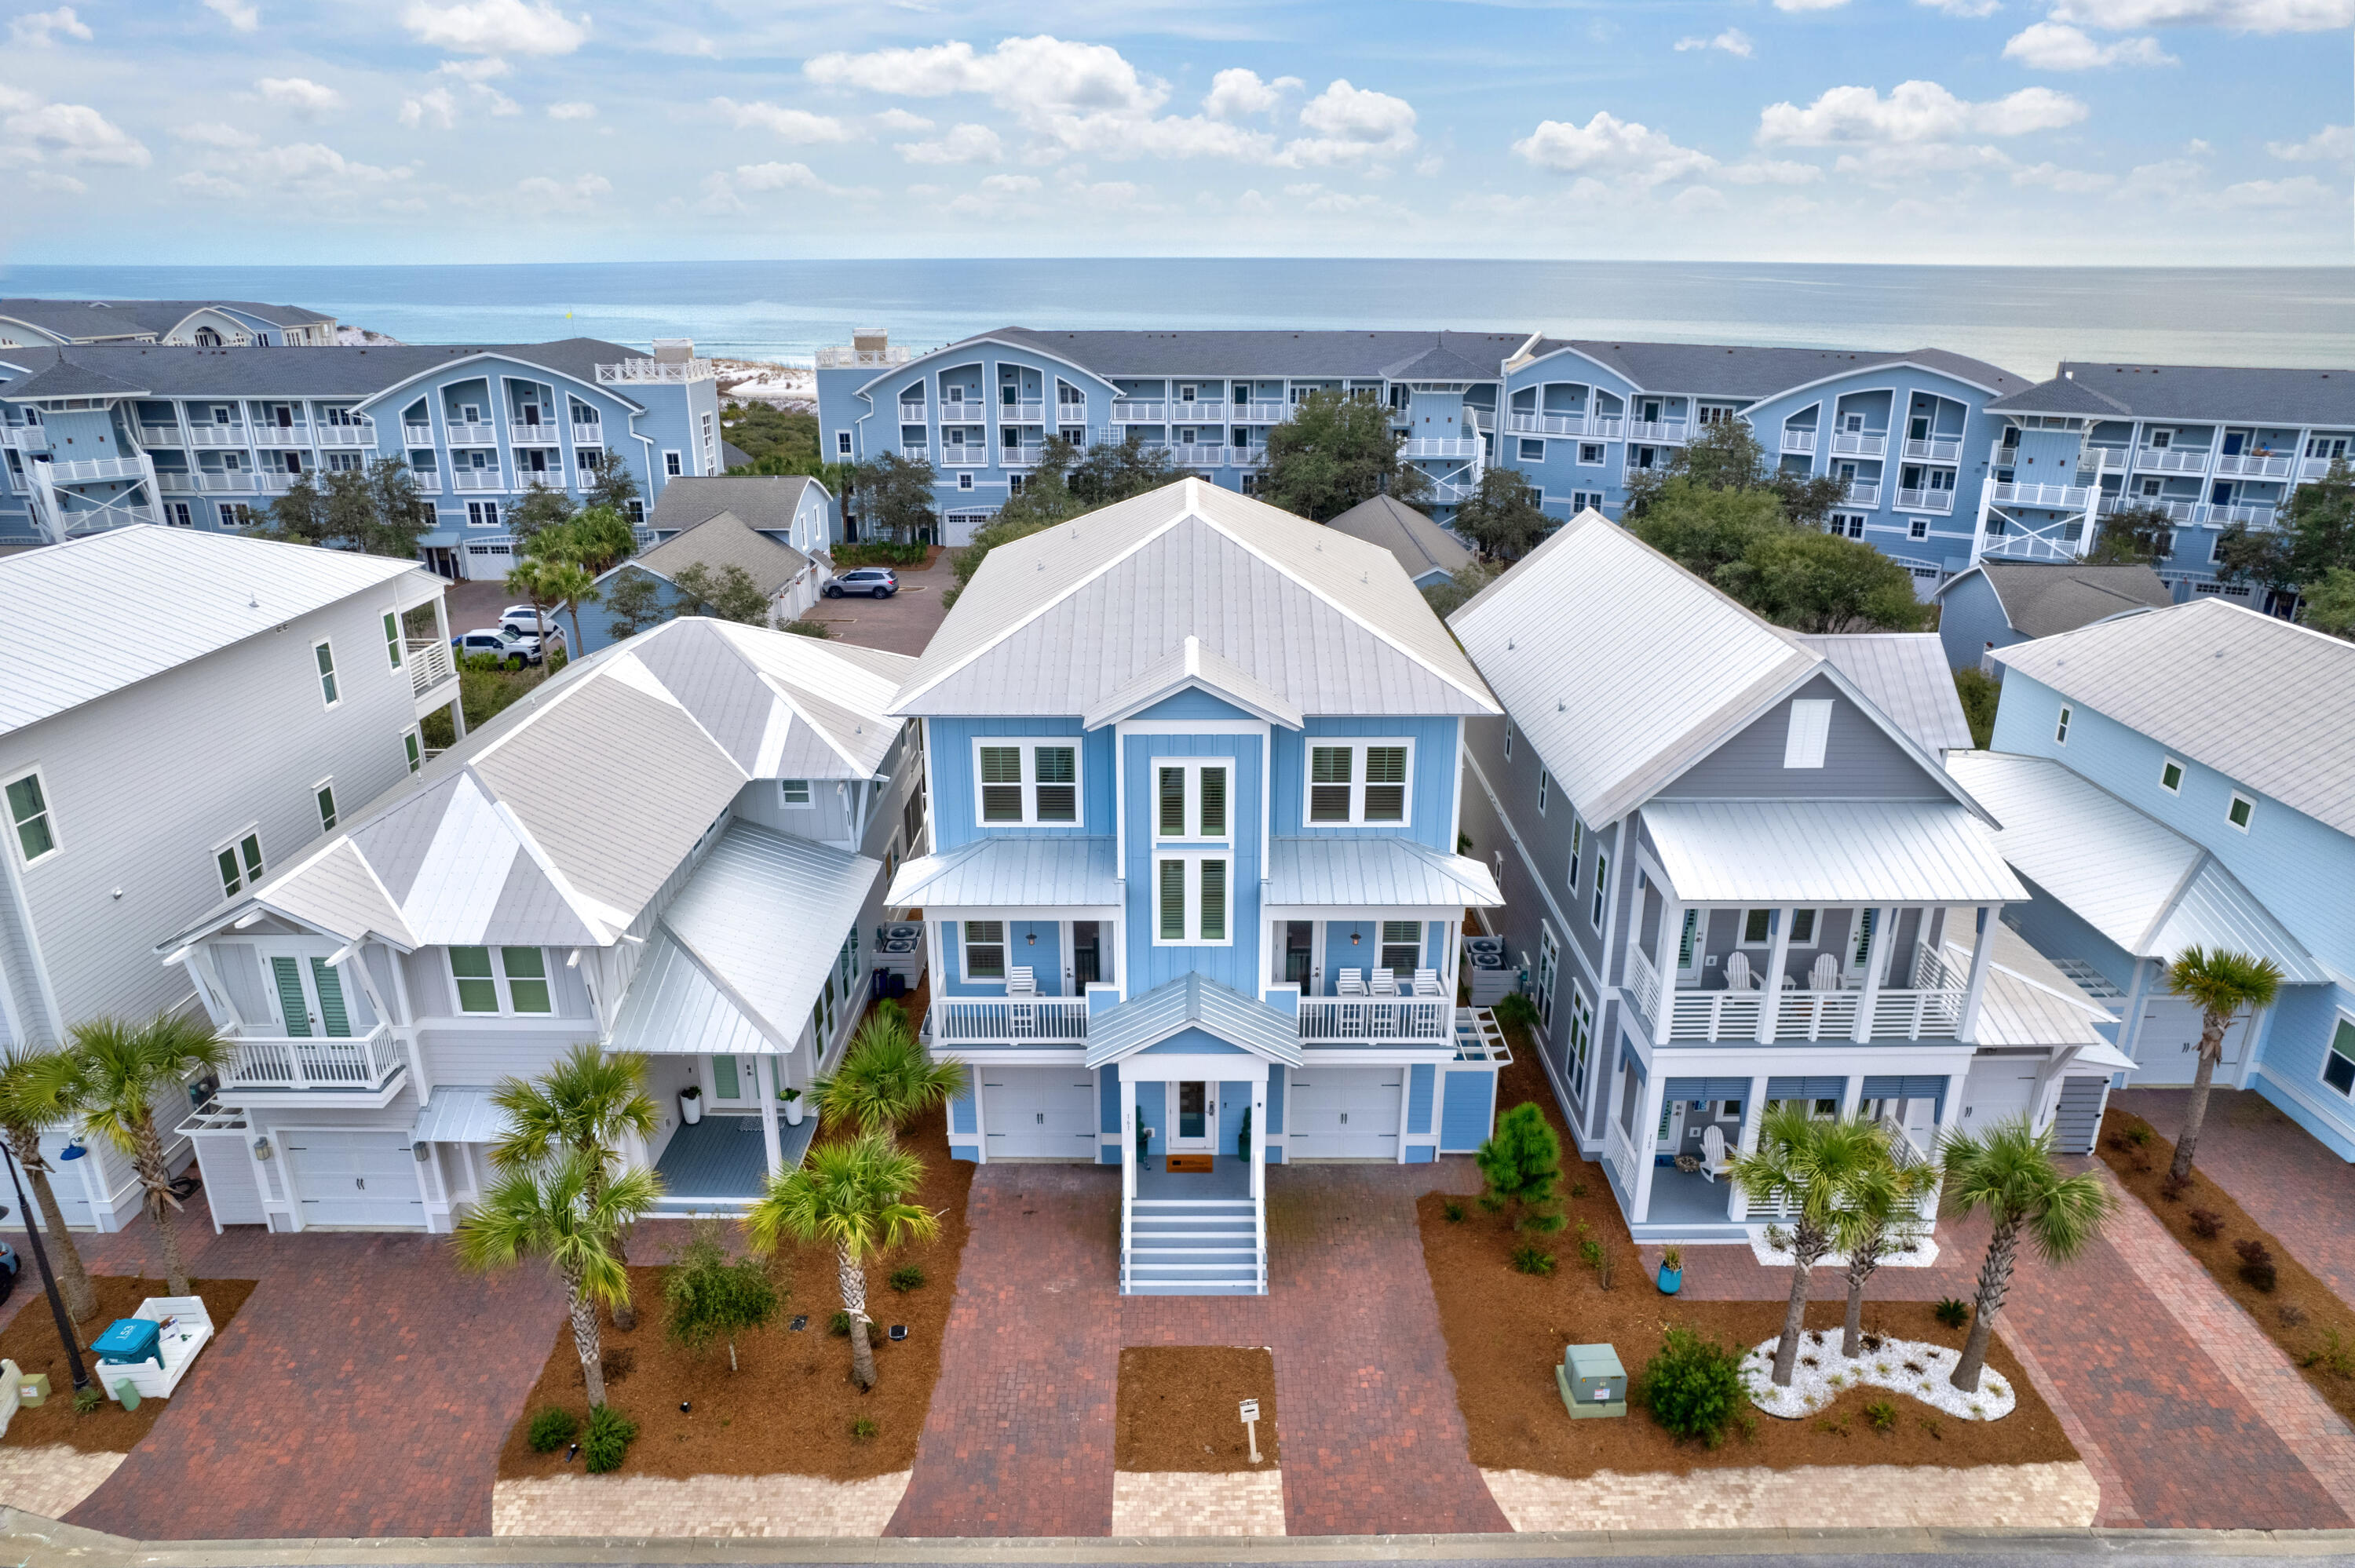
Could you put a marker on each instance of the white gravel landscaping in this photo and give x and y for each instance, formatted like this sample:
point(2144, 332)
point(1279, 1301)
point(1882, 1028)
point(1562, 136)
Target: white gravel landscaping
point(1889, 1367)
point(1771, 1246)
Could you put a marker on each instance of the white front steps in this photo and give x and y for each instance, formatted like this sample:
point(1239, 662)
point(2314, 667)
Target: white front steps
point(1182, 1247)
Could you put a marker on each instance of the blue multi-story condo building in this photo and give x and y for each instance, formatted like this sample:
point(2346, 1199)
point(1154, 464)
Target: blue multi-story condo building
point(95, 436)
point(201, 323)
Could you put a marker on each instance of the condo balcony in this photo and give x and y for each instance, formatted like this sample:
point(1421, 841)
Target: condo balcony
point(968, 1022)
point(526, 477)
point(1800, 442)
point(1666, 432)
point(365, 1069)
point(965, 413)
point(23, 437)
point(1140, 411)
point(2316, 467)
point(295, 435)
point(1021, 454)
point(2255, 465)
point(2090, 460)
point(524, 433)
point(1860, 493)
point(90, 471)
point(2055, 497)
point(2212, 512)
point(914, 410)
point(464, 479)
point(1258, 413)
point(474, 433)
point(428, 482)
point(2173, 460)
point(1931, 1007)
point(350, 434)
point(1197, 454)
point(1020, 412)
point(916, 451)
point(229, 435)
point(153, 436)
point(1433, 447)
point(1247, 457)
point(965, 454)
point(1936, 449)
point(1941, 502)
point(201, 482)
point(1859, 443)
point(417, 435)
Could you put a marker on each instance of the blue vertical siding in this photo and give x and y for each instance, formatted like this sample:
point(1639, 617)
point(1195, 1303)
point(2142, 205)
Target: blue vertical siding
point(1237, 964)
point(1432, 799)
point(955, 806)
point(1150, 1097)
point(1420, 1088)
point(1469, 1111)
point(1108, 1098)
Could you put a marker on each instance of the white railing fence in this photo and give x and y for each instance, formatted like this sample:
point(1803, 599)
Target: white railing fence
point(1377, 1018)
point(277, 1062)
point(1002, 1021)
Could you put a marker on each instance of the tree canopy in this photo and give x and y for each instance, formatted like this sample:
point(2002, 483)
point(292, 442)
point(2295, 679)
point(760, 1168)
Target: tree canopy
point(2329, 605)
point(765, 433)
point(728, 594)
point(1502, 518)
point(2312, 536)
point(2132, 536)
point(378, 511)
point(895, 496)
point(1726, 456)
point(1336, 449)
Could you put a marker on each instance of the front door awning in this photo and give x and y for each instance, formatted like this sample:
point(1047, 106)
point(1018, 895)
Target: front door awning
point(1193, 1003)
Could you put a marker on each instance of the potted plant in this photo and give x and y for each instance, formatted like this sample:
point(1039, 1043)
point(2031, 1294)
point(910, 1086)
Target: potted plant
point(793, 1103)
point(690, 1104)
point(1672, 1270)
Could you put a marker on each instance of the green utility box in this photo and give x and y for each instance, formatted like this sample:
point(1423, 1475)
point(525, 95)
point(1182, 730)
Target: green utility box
point(1591, 1380)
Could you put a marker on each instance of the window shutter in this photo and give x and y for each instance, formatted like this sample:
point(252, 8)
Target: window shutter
point(1001, 783)
point(1214, 901)
point(1684, 942)
point(1328, 783)
point(1059, 795)
point(1173, 803)
point(335, 1021)
point(1385, 783)
point(1173, 900)
point(290, 1001)
point(1214, 802)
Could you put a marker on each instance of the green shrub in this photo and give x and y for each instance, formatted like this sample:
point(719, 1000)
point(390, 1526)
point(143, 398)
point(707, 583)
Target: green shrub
point(1531, 1258)
point(1694, 1388)
point(1453, 1212)
point(88, 1399)
point(862, 1429)
point(2139, 1135)
point(551, 1429)
point(906, 1277)
point(878, 553)
point(805, 627)
point(1590, 1252)
point(606, 1440)
point(1883, 1415)
point(839, 1325)
point(1954, 1314)
point(1517, 1012)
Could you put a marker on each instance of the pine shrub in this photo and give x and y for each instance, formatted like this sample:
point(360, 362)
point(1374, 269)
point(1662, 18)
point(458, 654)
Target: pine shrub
point(606, 1440)
point(551, 1429)
point(1694, 1388)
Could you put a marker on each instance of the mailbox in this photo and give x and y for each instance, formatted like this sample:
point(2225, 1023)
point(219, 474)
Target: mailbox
point(1591, 1380)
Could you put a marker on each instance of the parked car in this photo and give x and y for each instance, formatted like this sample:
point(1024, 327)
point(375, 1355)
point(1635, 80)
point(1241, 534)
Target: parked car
point(519, 619)
point(876, 582)
point(508, 649)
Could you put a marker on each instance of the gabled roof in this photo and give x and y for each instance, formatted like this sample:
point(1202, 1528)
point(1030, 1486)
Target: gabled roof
point(1060, 621)
point(718, 542)
point(2194, 393)
point(166, 370)
point(1192, 1000)
point(1439, 363)
point(1421, 545)
point(198, 593)
point(1906, 675)
point(2145, 887)
point(2060, 395)
point(2266, 703)
point(1192, 667)
point(2029, 1001)
point(2043, 599)
point(560, 821)
point(765, 501)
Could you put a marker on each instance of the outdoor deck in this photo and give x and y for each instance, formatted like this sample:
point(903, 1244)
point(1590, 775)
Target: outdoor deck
point(1228, 1178)
point(1687, 1197)
point(724, 1157)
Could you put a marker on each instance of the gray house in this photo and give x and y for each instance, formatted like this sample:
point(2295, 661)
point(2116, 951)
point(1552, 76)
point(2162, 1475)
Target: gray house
point(1998, 604)
point(1430, 554)
point(1734, 879)
point(789, 508)
point(182, 715)
point(790, 579)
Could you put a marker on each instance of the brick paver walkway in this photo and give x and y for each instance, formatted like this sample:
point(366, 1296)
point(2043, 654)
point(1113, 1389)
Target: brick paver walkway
point(363, 1390)
point(1020, 1439)
point(2286, 1179)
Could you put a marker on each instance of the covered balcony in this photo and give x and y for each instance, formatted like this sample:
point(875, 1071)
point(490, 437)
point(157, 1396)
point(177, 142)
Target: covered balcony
point(323, 1069)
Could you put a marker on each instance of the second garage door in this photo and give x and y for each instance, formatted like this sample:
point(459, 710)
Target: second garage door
point(354, 1180)
point(1038, 1113)
point(1342, 1113)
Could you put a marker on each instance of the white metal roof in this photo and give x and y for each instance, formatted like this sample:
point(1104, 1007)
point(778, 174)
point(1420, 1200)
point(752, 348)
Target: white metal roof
point(461, 1114)
point(1192, 1000)
point(66, 610)
point(1906, 675)
point(2027, 1000)
point(1375, 871)
point(1827, 852)
point(1060, 621)
point(1192, 667)
point(2139, 883)
point(1038, 871)
point(2269, 704)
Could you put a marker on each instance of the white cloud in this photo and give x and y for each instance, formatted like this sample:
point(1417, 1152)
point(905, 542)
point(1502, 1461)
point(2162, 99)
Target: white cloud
point(1914, 111)
point(2301, 190)
point(474, 70)
point(311, 170)
point(574, 110)
point(1771, 172)
point(797, 127)
point(1037, 76)
point(1238, 94)
point(1607, 144)
point(2332, 145)
point(1698, 198)
point(963, 144)
point(724, 190)
point(1808, 5)
point(56, 183)
point(904, 123)
point(2242, 16)
point(1351, 123)
point(434, 105)
point(214, 133)
point(1907, 163)
point(576, 194)
point(38, 29)
point(1734, 41)
point(238, 14)
point(2057, 45)
point(2068, 181)
point(495, 26)
point(1963, 7)
point(74, 132)
point(298, 93)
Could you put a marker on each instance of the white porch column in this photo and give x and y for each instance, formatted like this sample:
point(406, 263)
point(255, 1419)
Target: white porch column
point(1259, 1133)
point(1127, 1135)
point(770, 1143)
point(1778, 956)
point(1753, 1110)
point(1966, 1028)
point(1646, 1140)
point(1664, 965)
point(1875, 955)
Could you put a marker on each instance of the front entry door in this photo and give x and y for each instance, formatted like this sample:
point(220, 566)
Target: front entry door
point(1672, 1126)
point(1194, 1128)
point(735, 1082)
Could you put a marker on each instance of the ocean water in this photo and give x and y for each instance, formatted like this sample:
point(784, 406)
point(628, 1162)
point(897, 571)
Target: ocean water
point(2022, 318)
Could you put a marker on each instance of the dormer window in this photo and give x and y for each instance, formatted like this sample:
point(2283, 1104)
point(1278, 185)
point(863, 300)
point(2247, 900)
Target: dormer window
point(1026, 783)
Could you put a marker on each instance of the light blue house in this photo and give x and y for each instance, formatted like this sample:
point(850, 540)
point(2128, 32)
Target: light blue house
point(2181, 776)
point(1193, 895)
point(97, 436)
point(1998, 603)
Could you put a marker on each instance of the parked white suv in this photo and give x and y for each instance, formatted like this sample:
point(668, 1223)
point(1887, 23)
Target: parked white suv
point(500, 643)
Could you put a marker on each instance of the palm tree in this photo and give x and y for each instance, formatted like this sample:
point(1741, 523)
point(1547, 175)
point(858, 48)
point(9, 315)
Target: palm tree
point(566, 1210)
point(585, 1104)
point(887, 1077)
point(119, 1071)
point(526, 580)
point(1883, 1205)
point(1806, 1162)
point(568, 586)
point(852, 1193)
point(2223, 983)
point(2008, 1172)
point(35, 1094)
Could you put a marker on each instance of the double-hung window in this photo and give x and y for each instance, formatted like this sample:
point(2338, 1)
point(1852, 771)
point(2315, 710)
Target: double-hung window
point(324, 654)
point(1545, 789)
point(240, 863)
point(1601, 877)
point(323, 791)
point(1192, 800)
point(1025, 782)
point(1577, 846)
point(1402, 947)
point(392, 638)
point(1358, 783)
point(793, 792)
point(985, 950)
point(413, 749)
point(1581, 1038)
point(1190, 896)
point(28, 813)
point(1548, 971)
point(501, 979)
point(2061, 729)
point(2339, 1064)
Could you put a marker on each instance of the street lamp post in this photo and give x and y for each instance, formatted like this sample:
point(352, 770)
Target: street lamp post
point(49, 1282)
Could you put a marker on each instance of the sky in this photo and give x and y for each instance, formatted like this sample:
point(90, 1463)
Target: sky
point(2120, 132)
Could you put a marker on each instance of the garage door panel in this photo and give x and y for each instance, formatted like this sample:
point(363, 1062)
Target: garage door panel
point(1038, 1113)
point(1342, 1113)
point(358, 1177)
point(1997, 1090)
point(2168, 1045)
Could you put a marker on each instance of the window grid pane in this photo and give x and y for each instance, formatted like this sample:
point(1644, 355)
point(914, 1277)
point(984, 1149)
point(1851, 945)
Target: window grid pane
point(1173, 803)
point(1214, 901)
point(251, 849)
point(327, 809)
point(527, 970)
point(1173, 900)
point(231, 879)
point(326, 671)
point(470, 967)
point(1214, 802)
point(1001, 765)
point(30, 811)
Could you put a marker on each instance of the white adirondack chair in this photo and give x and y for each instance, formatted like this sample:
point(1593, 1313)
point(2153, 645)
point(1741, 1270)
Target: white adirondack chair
point(1825, 975)
point(1712, 1152)
point(1737, 973)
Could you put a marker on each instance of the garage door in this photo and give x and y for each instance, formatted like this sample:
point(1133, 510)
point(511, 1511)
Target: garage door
point(2168, 1043)
point(1038, 1113)
point(1997, 1088)
point(347, 1179)
point(1342, 1113)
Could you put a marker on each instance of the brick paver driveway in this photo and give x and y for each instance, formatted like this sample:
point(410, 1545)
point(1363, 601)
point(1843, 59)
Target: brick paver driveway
point(363, 1390)
point(1019, 1439)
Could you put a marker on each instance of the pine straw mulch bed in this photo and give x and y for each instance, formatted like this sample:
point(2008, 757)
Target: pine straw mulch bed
point(1505, 1331)
point(791, 1409)
point(2313, 1327)
point(31, 1341)
point(1178, 1408)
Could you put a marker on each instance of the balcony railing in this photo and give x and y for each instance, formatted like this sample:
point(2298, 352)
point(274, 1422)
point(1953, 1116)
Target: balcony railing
point(1377, 1018)
point(2090, 460)
point(1936, 449)
point(919, 452)
point(430, 665)
point(363, 1063)
point(656, 370)
point(295, 435)
point(1140, 411)
point(914, 411)
point(2173, 460)
point(2056, 497)
point(2255, 465)
point(428, 482)
point(92, 469)
point(1570, 424)
point(1798, 441)
point(217, 435)
point(475, 433)
point(357, 433)
point(417, 435)
point(523, 433)
point(861, 358)
point(1197, 454)
point(965, 454)
point(1030, 411)
point(202, 483)
point(965, 413)
point(1433, 447)
point(1932, 1006)
point(477, 479)
point(158, 436)
point(1010, 1020)
point(1667, 432)
point(526, 477)
point(1198, 410)
point(1862, 494)
point(1021, 455)
point(1246, 457)
point(1258, 413)
point(2255, 514)
point(1941, 502)
point(1859, 443)
point(2316, 467)
point(591, 434)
